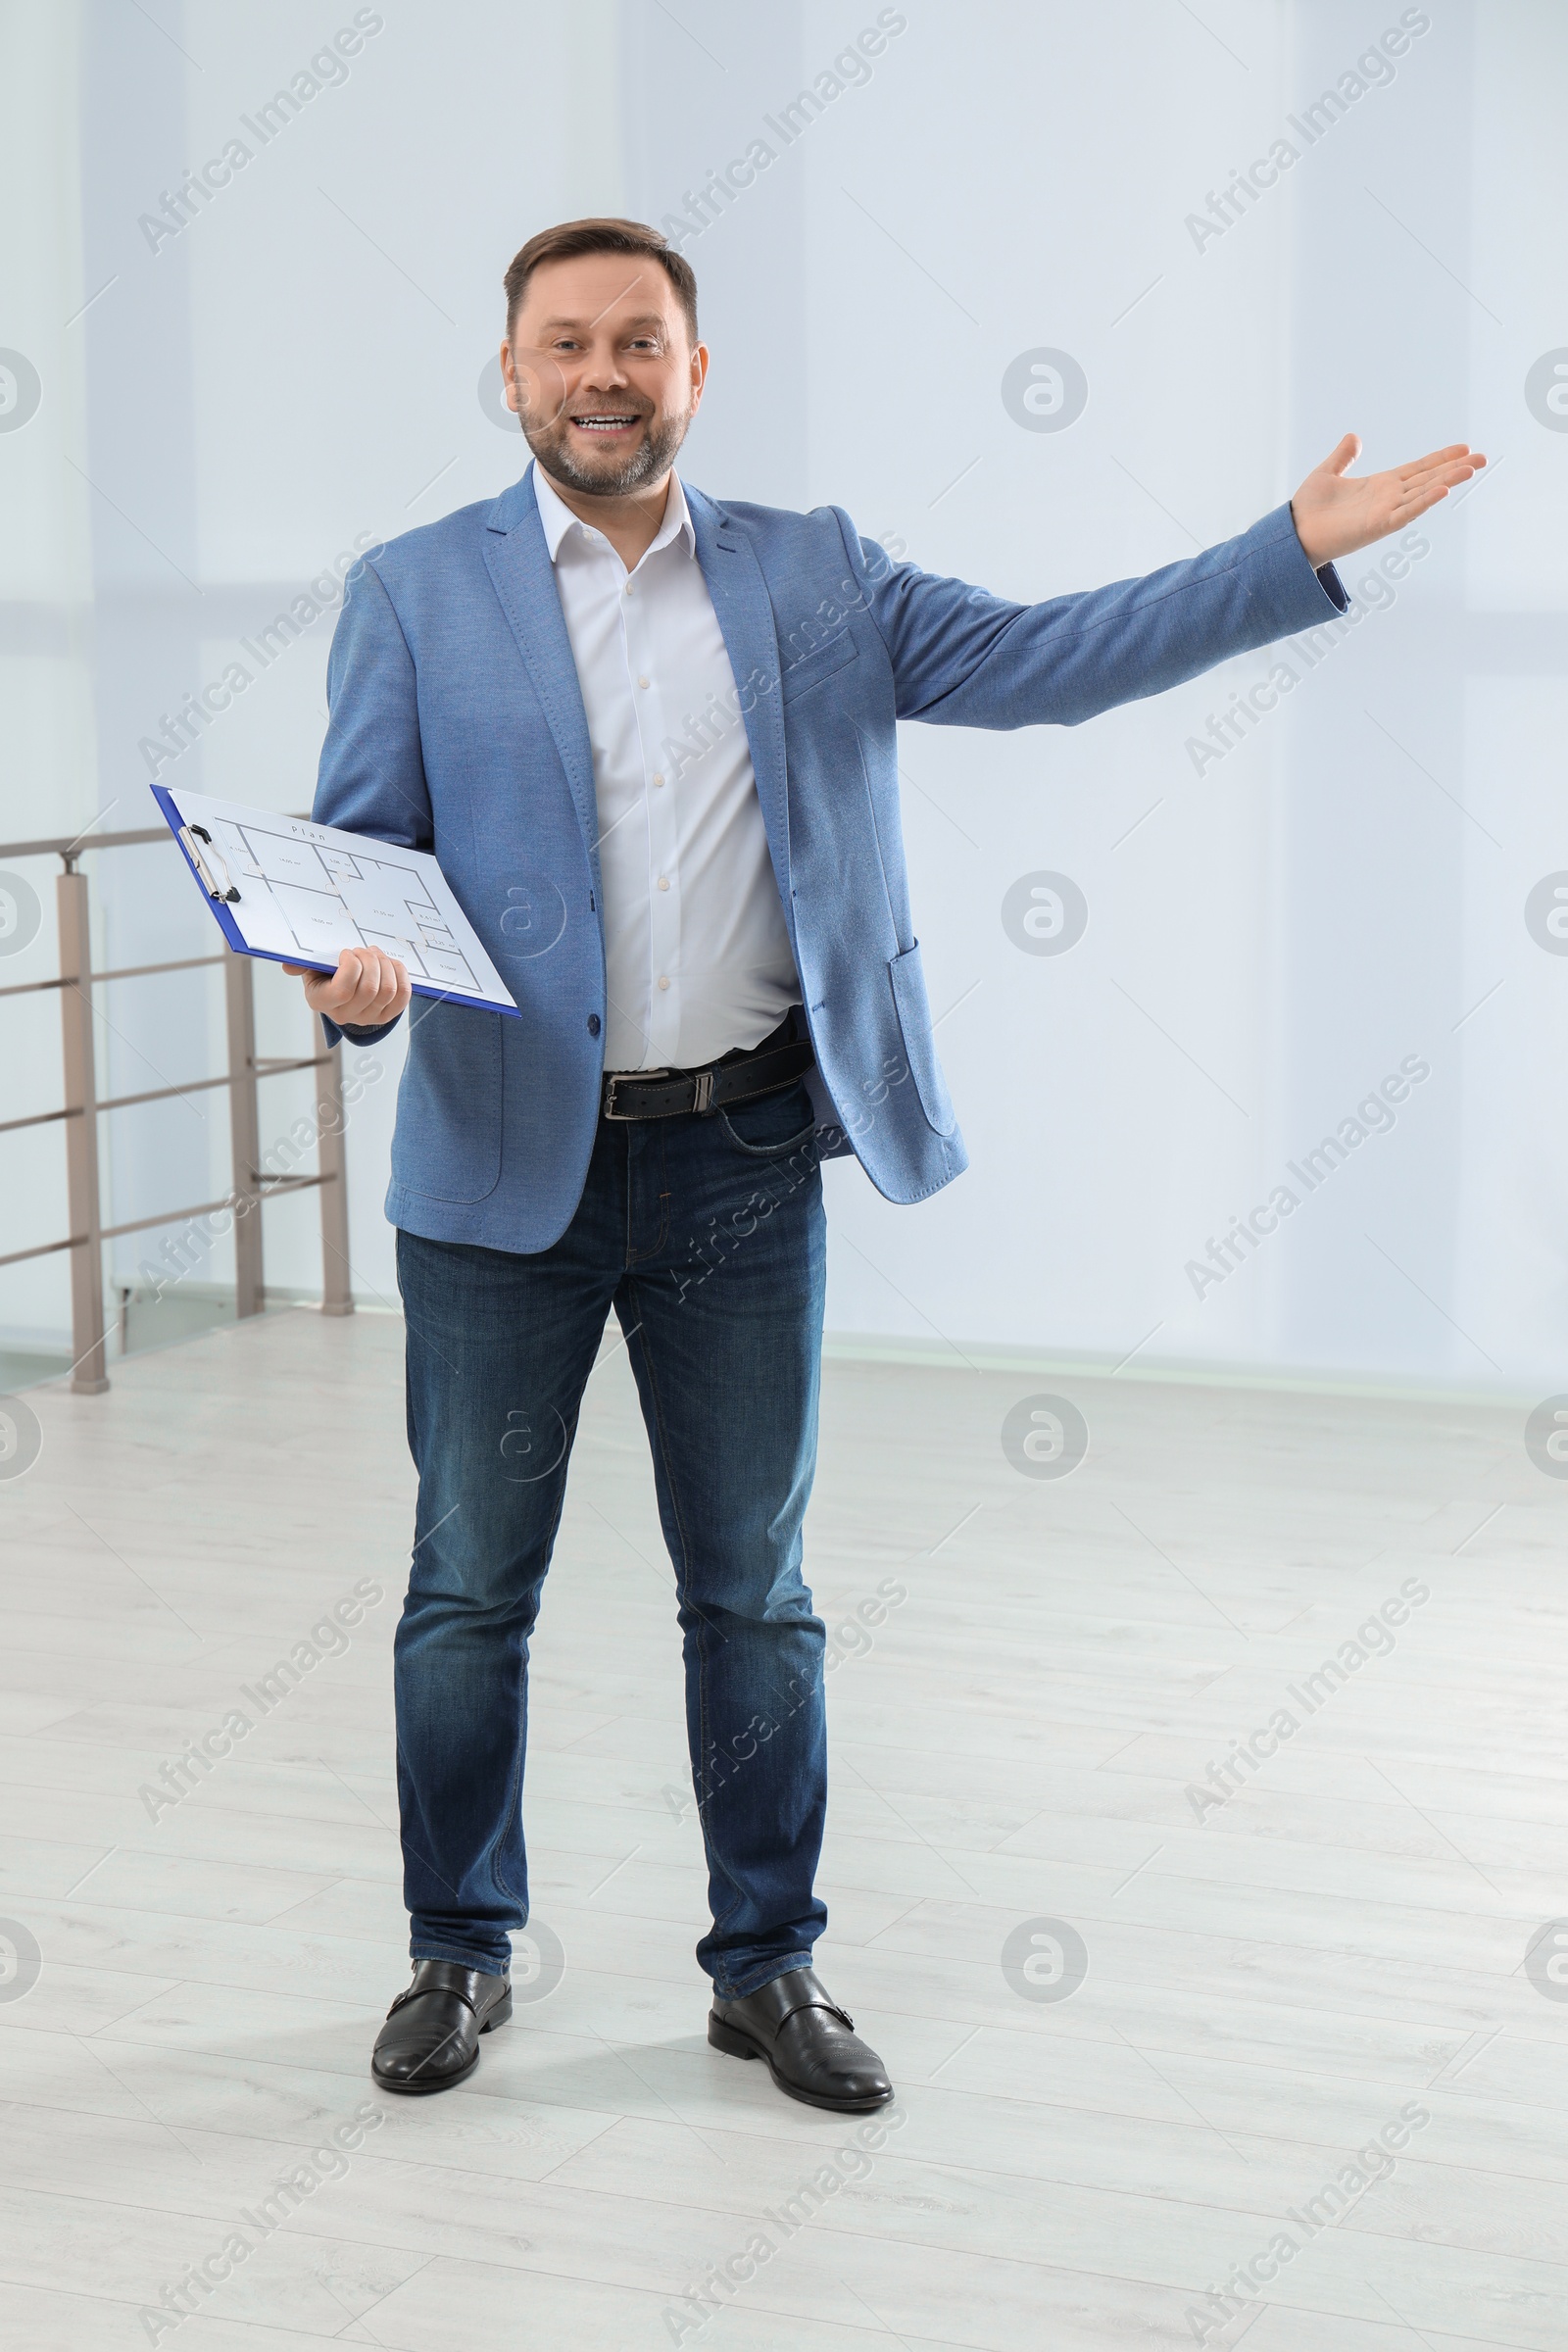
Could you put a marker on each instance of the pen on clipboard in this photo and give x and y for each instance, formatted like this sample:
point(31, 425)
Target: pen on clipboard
point(190, 834)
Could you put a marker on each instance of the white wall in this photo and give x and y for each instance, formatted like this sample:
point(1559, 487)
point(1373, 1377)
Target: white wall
point(1335, 894)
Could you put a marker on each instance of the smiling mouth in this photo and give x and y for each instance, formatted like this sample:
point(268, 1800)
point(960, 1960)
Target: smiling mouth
point(605, 421)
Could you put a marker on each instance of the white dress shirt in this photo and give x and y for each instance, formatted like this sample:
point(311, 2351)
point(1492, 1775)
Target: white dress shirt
point(696, 948)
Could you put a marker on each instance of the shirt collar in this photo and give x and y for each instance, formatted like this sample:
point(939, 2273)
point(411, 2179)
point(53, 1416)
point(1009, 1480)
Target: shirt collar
point(558, 518)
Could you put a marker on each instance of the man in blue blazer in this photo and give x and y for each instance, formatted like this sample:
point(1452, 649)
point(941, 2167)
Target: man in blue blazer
point(651, 737)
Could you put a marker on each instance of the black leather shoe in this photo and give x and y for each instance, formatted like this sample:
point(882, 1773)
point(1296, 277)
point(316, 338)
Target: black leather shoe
point(811, 2045)
point(431, 2035)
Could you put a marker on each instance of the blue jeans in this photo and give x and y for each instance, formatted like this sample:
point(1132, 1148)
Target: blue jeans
point(706, 1235)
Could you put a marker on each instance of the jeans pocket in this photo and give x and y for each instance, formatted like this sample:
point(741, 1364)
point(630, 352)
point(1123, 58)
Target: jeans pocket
point(770, 1127)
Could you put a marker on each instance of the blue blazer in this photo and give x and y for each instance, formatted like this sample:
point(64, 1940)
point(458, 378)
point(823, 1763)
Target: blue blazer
point(457, 725)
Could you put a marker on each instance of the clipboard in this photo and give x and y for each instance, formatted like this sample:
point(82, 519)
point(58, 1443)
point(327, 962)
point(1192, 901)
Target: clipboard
point(290, 891)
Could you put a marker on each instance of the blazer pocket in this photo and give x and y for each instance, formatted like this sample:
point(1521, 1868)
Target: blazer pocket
point(824, 661)
point(446, 1145)
point(913, 1009)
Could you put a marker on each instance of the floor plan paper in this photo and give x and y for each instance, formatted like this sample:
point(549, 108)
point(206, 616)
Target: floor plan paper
point(297, 891)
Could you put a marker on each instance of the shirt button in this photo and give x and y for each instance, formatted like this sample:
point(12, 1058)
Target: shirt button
point(662, 982)
point(593, 1024)
point(628, 587)
point(658, 780)
point(663, 881)
point(642, 682)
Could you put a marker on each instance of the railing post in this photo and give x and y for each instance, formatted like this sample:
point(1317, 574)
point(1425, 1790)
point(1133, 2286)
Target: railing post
point(337, 1297)
point(89, 1375)
point(239, 990)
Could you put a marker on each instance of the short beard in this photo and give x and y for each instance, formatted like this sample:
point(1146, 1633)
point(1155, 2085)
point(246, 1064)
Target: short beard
point(652, 456)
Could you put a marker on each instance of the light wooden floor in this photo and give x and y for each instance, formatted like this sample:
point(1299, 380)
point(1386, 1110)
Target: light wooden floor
point(1267, 1988)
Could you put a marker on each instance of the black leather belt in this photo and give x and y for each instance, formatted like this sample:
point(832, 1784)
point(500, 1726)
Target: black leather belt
point(737, 1078)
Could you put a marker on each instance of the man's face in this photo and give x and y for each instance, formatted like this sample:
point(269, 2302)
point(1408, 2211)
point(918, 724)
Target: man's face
point(602, 372)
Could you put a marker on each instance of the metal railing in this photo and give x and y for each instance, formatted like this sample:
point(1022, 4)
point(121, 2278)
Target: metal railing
point(81, 1109)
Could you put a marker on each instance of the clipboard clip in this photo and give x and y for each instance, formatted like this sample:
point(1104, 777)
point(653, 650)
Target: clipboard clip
point(189, 836)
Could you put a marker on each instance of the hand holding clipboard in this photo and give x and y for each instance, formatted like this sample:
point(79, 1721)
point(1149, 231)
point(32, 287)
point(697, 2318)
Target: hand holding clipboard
point(368, 988)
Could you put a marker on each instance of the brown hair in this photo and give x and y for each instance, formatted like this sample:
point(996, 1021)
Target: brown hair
point(570, 238)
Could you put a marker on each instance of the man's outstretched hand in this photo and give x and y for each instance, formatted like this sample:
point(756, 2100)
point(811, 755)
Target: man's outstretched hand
point(366, 989)
point(1334, 514)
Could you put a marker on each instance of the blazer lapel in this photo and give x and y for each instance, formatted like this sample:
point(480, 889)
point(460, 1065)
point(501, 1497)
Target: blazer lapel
point(524, 580)
point(745, 613)
point(523, 576)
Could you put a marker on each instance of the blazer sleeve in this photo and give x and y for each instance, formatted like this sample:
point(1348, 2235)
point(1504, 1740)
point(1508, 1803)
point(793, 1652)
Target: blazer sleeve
point(964, 657)
point(372, 776)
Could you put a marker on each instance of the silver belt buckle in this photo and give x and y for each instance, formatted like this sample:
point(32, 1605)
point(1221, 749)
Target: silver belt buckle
point(615, 1078)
